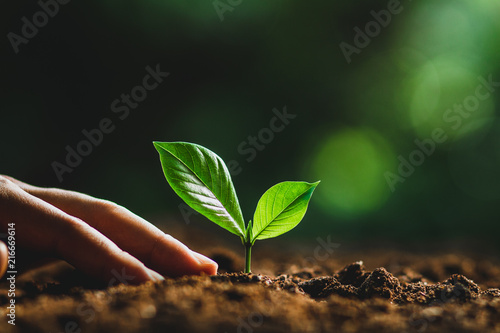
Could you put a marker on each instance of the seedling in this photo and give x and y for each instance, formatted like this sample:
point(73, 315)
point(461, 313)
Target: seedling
point(202, 180)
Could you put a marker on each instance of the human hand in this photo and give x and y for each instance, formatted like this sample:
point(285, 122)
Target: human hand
point(98, 237)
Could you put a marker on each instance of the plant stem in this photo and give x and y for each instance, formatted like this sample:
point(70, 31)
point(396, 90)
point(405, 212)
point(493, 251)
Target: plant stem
point(248, 257)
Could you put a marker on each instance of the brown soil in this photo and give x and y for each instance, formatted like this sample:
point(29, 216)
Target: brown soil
point(401, 293)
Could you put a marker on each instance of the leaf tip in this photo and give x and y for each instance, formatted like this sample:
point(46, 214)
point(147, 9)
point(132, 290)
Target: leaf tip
point(159, 146)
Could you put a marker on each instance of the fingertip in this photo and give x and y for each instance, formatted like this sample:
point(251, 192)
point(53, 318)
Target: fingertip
point(4, 258)
point(172, 258)
point(155, 276)
point(206, 265)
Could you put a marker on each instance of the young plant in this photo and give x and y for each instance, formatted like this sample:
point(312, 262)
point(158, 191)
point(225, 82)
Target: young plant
point(202, 180)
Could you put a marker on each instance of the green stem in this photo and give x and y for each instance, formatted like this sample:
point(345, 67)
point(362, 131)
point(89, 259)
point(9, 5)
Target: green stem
point(248, 257)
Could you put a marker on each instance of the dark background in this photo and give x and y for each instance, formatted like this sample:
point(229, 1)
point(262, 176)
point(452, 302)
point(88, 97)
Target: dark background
point(352, 121)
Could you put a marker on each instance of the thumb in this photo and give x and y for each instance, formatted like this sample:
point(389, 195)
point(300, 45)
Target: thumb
point(4, 254)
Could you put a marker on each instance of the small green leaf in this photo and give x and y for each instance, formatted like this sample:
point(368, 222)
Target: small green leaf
point(202, 180)
point(248, 233)
point(281, 208)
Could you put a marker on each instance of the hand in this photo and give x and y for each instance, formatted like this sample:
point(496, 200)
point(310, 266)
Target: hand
point(98, 237)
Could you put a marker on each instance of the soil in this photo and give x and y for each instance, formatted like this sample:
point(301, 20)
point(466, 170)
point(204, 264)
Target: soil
point(398, 292)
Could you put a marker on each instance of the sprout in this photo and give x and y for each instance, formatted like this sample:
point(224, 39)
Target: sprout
point(202, 180)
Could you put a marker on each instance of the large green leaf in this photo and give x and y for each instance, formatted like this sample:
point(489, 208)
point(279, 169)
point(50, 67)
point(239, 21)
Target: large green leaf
point(281, 208)
point(202, 180)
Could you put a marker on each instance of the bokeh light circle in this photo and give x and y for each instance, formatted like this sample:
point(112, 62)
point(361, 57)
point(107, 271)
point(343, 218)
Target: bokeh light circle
point(351, 164)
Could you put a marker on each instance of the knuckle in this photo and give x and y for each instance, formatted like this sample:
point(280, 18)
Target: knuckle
point(107, 206)
point(5, 180)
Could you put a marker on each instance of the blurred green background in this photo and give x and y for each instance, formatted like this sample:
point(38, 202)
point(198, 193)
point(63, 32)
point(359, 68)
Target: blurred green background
point(413, 72)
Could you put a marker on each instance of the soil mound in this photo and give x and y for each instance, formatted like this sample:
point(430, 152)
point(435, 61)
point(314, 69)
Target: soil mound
point(399, 296)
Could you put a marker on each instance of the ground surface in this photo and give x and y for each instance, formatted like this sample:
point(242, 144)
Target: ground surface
point(326, 291)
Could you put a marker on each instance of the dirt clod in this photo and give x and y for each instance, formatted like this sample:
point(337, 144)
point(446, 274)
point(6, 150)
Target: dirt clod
point(353, 274)
point(380, 283)
point(320, 287)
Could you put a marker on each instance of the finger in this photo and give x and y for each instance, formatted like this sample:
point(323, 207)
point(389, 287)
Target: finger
point(44, 228)
point(4, 258)
point(159, 251)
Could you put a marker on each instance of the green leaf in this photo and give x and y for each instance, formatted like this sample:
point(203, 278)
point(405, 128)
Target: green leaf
point(248, 233)
point(202, 180)
point(281, 208)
